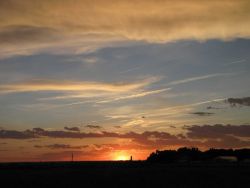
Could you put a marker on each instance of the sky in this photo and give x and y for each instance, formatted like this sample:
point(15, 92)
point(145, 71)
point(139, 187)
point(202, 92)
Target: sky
point(106, 79)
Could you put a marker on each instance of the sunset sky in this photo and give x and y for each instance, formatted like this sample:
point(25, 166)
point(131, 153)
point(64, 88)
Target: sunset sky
point(107, 79)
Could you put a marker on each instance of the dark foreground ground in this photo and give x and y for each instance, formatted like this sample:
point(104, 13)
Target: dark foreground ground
point(124, 174)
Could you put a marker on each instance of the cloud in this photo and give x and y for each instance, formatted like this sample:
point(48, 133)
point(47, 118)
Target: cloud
point(151, 20)
point(70, 86)
point(191, 79)
point(110, 91)
point(137, 95)
point(245, 101)
point(85, 95)
point(61, 146)
point(76, 129)
point(64, 44)
point(203, 113)
point(93, 126)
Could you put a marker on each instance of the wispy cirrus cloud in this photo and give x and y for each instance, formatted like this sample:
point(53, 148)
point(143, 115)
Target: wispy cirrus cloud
point(237, 62)
point(180, 109)
point(137, 95)
point(72, 86)
point(196, 78)
point(158, 117)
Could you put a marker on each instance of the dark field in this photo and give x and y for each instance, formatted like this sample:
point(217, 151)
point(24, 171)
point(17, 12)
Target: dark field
point(124, 174)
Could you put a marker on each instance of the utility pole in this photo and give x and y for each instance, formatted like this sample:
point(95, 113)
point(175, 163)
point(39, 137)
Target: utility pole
point(72, 157)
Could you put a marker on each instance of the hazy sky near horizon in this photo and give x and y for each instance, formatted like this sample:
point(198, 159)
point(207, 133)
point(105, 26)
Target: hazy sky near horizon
point(109, 79)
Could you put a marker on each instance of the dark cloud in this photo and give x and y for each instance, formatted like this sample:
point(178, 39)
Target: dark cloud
point(61, 146)
point(38, 146)
point(213, 108)
point(120, 147)
point(93, 126)
point(172, 126)
point(239, 101)
point(76, 129)
point(218, 131)
point(26, 34)
point(38, 133)
point(219, 136)
point(205, 136)
point(38, 130)
point(181, 136)
point(226, 141)
point(118, 127)
point(197, 135)
point(17, 134)
point(203, 113)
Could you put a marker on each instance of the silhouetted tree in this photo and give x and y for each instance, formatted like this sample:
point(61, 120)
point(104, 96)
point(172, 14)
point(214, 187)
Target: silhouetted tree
point(185, 154)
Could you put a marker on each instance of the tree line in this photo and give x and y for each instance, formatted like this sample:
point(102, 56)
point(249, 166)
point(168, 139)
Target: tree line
point(185, 154)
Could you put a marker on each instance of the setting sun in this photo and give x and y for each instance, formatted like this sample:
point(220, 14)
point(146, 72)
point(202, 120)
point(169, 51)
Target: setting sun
point(121, 156)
